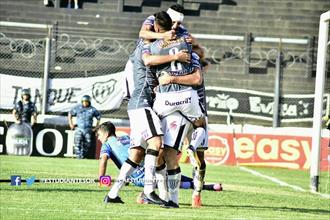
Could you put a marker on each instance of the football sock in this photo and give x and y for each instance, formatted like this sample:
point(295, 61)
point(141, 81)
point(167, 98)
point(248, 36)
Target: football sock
point(126, 170)
point(162, 182)
point(173, 183)
point(150, 170)
point(199, 175)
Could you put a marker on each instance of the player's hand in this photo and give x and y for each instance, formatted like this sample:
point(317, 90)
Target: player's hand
point(183, 56)
point(164, 79)
point(72, 127)
point(169, 35)
point(190, 39)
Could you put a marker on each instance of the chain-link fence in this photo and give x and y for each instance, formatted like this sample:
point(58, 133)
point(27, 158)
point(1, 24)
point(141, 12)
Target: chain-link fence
point(22, 55)
point(241, 80)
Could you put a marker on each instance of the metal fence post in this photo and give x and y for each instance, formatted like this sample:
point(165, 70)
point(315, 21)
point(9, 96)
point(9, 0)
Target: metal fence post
point(277, 89)
point(57, 3)
point(318, 101)
point(247, 52)
point(310, 56)
point(120, 5)
point(46, 71)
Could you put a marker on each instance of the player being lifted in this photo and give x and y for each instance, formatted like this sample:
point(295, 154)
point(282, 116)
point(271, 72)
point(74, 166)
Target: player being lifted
point(174, 98)
point(145, 126)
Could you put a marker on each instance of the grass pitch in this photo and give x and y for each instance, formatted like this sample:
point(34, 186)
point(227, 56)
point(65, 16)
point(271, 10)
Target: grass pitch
point(245, 196)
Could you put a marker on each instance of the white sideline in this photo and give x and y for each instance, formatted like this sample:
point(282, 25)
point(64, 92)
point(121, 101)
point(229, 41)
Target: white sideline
point(281, 183)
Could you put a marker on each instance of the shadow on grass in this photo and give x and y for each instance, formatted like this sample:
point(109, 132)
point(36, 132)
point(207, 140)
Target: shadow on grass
point(258, 208)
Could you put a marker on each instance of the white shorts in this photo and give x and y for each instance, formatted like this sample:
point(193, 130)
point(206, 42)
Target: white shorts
point(175, 128)
point(144, 124)
point(185, 101)
point(127, 79)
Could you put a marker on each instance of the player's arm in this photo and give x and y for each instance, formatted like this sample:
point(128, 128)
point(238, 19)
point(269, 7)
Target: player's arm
point(34, 116)
point(97, 115)
point(193, 79)
point(103, 165)
point(147, 33)
point(15, 114)
point(70, 121)
point(154, 60)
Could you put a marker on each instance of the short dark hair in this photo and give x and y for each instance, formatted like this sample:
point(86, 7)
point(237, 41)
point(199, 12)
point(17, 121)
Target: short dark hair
point(178, 8)
point(163, 20)
point(108, 127)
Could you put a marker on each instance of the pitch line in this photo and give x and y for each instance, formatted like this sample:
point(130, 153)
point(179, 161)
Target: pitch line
point(282, 183)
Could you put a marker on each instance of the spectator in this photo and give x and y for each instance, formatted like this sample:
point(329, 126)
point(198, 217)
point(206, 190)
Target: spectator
point(25, 110)
point(76, 6)
point(84, 113)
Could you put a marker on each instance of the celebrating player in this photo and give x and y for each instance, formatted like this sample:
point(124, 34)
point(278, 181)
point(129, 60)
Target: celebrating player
point(198, 138)
point(174, 98)
point(145, 125)
point(117, 149)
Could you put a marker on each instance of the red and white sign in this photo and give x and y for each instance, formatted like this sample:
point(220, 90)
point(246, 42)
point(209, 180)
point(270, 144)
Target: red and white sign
point(265, 150)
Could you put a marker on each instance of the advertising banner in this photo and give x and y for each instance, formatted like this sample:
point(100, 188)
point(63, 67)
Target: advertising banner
point(266, 150)
point(64, 93)
point(259, 105)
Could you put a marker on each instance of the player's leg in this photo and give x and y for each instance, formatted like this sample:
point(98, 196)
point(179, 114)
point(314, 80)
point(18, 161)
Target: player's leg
point(175, 127)
point(78, 141)
point(188, 183)
point(154, 140)
point(161, 178)
point(198, 179)
point(197, 139)
point(128, 167)
point(152, 153)
point(87, 142)
point(146, 125)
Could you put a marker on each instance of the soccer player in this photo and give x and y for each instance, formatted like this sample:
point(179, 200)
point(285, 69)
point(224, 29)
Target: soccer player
point(146, 132)
point(84, 113)
point(147, 32)
point(25, 110)
point(198, 138)
point(117, 149)
point(174, 98)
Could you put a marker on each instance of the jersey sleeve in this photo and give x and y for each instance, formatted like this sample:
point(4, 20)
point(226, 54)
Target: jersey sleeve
point(146, 49)
point(195, 60)
point(182, 31)
point(149, 21)
point(97, 114)
point(34, 108)
point(18, 106)
point(105, 150)
point(73, 111)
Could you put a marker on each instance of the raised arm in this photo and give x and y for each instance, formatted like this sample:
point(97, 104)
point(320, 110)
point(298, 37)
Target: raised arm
point(153, 60)
point(193, 79)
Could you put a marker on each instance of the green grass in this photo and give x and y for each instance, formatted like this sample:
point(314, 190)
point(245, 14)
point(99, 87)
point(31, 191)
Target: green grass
point(245, 196)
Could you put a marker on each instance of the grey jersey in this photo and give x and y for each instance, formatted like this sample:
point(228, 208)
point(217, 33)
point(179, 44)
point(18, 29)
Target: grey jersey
point(175, 68)
point(201, 89)
point(144, 81)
